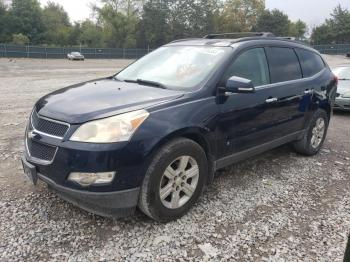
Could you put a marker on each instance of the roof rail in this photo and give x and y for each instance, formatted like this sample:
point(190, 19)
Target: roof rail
point(184, 39)
point(240, 34)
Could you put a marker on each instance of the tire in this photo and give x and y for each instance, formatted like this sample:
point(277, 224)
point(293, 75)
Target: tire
point(307, 146)
point(156, 181)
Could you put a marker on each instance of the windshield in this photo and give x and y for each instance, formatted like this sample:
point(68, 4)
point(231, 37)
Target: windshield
point(175, 67)
point(75, 53)
point(343, 73)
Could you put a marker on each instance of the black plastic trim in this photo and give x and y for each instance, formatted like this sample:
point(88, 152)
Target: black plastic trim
point(106, 204)
point(234, 158)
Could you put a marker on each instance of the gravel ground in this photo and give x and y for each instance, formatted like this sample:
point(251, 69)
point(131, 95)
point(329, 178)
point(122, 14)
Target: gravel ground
point(278, 206)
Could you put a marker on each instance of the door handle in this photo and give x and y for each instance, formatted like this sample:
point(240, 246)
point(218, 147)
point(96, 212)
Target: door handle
point(271, 100)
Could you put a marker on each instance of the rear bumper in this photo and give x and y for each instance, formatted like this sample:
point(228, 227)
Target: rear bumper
point(106, 204)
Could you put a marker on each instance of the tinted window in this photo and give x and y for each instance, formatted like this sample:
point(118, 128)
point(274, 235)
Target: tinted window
point(284, 64)
point(311, 63)
point(252, 65)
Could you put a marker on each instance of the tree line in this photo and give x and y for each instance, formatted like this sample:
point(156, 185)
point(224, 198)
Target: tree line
point(151, 23)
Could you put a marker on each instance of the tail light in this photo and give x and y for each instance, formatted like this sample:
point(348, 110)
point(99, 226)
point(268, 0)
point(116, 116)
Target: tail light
point(335, 79)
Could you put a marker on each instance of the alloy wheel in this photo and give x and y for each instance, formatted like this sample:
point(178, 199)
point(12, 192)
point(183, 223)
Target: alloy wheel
point(318, 133)
point(179, 182)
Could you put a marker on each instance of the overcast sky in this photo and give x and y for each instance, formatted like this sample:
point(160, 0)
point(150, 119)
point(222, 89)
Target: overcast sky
point(313, 12)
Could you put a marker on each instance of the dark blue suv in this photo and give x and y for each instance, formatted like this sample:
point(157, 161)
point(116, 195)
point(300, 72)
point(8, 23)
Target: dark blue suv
point(153, 135)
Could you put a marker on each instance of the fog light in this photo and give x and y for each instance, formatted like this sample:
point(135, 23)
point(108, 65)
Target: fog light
point(88, 179)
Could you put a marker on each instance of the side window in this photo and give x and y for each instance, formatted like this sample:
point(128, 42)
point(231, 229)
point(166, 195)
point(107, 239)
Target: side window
point(251, 64)
point(284, 64)
point(311, 63)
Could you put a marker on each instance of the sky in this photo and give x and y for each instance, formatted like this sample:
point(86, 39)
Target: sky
point(313, 12)
point(77, 9)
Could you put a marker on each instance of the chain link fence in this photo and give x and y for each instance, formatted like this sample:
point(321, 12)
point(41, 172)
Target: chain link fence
point(339, 49)
point(28, 51)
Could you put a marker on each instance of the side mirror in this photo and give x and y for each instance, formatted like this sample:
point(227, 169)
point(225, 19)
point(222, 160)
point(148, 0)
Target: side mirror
point(237, 84)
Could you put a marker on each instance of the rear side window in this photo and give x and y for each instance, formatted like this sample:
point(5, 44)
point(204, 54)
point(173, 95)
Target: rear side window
point(284, 64)
point(252, 65)
point(311, 63)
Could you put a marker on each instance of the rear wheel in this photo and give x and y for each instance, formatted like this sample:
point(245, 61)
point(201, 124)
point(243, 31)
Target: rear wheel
point(174, 180)
point(314, 136)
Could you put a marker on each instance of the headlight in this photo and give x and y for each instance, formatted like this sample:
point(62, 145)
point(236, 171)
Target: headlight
point(109, 130)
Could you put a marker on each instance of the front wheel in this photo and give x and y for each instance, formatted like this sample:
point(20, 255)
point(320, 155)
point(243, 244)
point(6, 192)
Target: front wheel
point(314, 136)
point(174, 180)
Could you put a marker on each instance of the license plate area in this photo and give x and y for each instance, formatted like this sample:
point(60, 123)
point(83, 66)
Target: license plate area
point(30, 172)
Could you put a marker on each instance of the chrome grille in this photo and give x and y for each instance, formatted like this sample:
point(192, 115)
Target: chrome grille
point(41, 151)
point(48, 126)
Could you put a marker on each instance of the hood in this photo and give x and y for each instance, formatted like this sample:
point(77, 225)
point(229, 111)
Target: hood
point(101, 98)
point(343, 87)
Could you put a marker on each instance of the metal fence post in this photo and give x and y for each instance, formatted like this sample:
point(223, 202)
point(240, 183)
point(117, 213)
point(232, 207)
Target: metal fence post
point(5, 47)
point(123, 53)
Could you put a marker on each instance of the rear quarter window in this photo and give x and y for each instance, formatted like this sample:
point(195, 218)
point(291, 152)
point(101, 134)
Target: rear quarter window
point(311, 63)
point(284, 64)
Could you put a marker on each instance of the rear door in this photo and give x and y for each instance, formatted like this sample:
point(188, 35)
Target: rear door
point(312, 64)
point(287, 89)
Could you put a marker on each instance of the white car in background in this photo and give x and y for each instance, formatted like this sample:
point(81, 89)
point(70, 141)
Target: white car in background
point(75, 56)
point(342, 101)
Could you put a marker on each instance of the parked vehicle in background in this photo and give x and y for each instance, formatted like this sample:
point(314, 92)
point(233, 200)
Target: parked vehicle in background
point(342, 101)
point(75, 56)
point(348, 55)
point(154, 134)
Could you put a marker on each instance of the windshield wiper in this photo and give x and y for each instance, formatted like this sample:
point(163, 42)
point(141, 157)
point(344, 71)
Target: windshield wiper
point(344, 79)
point(146, 82)
point(151, 83)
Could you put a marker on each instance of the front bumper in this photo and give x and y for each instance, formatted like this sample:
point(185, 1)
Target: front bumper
point(118, 199)
point(342, 104)
point(129, 163)
point(106, 204)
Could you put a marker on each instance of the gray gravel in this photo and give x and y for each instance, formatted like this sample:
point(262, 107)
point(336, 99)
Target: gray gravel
point(278, 206)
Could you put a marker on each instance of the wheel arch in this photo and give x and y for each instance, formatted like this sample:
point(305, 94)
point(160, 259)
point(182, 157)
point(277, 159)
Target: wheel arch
point(198, 135)
point(328, 108)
